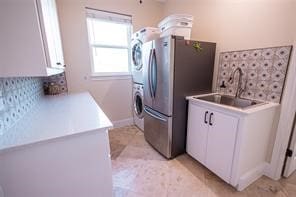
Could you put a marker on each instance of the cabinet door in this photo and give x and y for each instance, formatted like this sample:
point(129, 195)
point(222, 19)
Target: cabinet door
point(57, 34)
point(221, 144)
point(197, 132)
point(51, 32)
point(21, 47)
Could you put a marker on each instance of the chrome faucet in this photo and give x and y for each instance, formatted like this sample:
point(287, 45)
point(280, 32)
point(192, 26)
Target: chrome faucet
point(239, 89)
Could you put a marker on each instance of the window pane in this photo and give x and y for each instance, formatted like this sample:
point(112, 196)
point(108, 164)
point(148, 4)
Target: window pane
point(107, 33)
point(110, 60)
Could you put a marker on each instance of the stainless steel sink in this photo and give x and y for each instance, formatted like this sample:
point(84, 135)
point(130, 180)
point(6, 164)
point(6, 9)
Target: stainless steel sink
point(230, 101)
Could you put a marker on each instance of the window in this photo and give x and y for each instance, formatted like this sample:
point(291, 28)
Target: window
point(109, 39)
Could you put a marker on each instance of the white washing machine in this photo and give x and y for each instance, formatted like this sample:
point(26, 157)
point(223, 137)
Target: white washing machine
point(138, 106)
point(144, 35)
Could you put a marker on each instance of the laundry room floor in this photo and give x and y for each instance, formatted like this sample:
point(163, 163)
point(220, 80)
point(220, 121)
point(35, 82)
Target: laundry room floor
point(140, 171)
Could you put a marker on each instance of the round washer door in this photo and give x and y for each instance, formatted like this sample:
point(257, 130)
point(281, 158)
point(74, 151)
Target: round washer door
point(137, 55)
point(138, 105)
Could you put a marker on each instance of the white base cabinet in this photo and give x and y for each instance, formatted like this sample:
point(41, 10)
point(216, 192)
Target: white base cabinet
point(60, 149)
point(197, 133)
point(231, 143)
point(220, 144)
point(211, 138)
point(70, 166)
point(30, 38)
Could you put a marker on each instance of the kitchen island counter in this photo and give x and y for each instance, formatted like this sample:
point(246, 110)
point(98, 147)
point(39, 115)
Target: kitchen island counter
point(55, 117)
point(61, 148)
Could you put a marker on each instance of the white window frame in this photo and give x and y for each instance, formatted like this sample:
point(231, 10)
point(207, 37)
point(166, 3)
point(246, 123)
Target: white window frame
point(110, 16)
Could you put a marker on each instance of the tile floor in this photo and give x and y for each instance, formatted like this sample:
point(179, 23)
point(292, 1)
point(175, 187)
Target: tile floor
point(140, 171)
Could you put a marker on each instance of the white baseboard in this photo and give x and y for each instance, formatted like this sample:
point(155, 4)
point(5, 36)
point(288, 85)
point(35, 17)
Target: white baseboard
point(251, 176)
point(1, 192)
point(122, 123)
point(269, 172)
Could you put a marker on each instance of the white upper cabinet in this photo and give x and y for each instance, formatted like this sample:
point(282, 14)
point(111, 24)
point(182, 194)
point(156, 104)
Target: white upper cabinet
point(51, 32)
point(30, 41)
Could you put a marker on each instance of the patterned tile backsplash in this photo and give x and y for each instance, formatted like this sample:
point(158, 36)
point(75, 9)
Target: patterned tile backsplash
point(264, 72)
point(58, 81)
point(17, 97)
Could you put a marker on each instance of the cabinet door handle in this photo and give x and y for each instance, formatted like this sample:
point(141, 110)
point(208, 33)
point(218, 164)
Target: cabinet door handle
point(206, 117)
point(210, 121)
point(59, 63)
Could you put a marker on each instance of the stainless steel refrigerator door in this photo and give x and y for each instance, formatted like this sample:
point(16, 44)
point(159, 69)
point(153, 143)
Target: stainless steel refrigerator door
point(147, 52)
point(162, 75)
point(158, 131)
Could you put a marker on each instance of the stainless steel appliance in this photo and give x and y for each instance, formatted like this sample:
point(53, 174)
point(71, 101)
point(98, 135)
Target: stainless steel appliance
point(137, 64)
point(173, 69)
point(144, 35)
point(138, 104)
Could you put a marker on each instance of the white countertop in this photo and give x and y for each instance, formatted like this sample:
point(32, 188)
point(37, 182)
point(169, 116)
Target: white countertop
point(245, 111)
point(56, 117)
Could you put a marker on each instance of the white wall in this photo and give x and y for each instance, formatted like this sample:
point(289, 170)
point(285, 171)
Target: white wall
point(233, 24)
point(238, 24)
point(114, 96)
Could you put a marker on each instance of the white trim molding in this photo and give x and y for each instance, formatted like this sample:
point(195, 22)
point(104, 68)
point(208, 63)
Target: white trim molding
point(285, 122)
point(123, 123)
point(94, 15)
point(1, 192)
point(110, 77)
point(251, 176)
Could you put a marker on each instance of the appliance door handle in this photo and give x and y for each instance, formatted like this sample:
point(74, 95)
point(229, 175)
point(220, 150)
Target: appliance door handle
point(149, 73)
point(154, 76)
point(158, 117)
point(206, 117)
point(210, 121)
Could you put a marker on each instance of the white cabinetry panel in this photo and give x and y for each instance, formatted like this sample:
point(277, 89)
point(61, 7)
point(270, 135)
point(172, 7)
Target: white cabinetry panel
point(211, 138)
point(235, 142)
point(51, 32)
point(221, 142)
point(26, 49)
point(197, 133)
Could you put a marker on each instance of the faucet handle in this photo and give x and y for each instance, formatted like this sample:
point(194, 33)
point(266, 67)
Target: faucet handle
point(223, 84)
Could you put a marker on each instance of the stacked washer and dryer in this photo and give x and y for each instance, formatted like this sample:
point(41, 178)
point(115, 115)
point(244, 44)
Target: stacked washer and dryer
point(144, 35)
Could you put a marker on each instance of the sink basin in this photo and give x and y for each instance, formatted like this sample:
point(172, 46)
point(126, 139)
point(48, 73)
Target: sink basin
point(230, 101)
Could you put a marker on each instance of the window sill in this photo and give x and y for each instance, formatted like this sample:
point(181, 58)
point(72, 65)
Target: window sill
point(111, 77)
